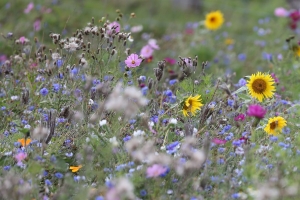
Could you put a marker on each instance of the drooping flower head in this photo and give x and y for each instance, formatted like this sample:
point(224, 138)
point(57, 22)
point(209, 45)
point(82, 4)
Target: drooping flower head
point(256, 111)
point(214, 20)
point(133, 61)
point(191, 105)
point(275, 125)
point(261, 86)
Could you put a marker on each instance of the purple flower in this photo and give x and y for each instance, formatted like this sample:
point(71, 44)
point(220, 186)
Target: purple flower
point(240, 117)
point(257, 111)
point(146, 51)
point(156, 170)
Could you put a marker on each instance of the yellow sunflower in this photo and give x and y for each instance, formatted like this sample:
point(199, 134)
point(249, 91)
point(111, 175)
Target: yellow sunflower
point(214, 20)
point(191, 105)
point(296, 50)
point(275, 125)
point(261, 86)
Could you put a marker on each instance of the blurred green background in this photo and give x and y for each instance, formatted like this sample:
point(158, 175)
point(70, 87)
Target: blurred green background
point(161, 19)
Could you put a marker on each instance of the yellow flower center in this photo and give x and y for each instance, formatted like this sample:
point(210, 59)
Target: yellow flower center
point(259, 86)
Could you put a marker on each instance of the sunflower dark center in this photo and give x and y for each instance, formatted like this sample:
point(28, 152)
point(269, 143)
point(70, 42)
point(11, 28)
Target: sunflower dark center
point(212, 19)
point(273, 125)
point(259, 86)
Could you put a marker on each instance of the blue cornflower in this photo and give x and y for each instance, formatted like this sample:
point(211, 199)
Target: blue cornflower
point(168, 93)
point(144, 90)
point(274, 138)
point(59, 62)
point(3, 108)
point(48, 182)
point(237, 143)
point(221, 150)
point(242, 57)
point(235, 195)
point(99, 198)
point(24, 122)
point(172, 148)
point(281, 144)
point(143, 192)
point(227, 128)
point(7, 168)
point(59, 175)
point(44, 91)
point(173, 81)
point(56, 87)
point(142, 78)
point(154, 118)
point(126, 138)
point(96, 82)
point(74, 71)
point(53, 159)
point(230, 102)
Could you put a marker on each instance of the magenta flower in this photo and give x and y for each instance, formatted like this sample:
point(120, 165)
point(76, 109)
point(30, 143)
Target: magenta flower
point(133, 61)
point(171, 61)
point(240, 117)
point(275, 78)
point(155, 170)
point(146, 51)
point(218, 141)
point(256, 111)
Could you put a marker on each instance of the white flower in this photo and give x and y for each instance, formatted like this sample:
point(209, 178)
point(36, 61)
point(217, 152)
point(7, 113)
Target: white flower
point(14, 98)
point(91, 102)
point(151, 124)
point(239, 151)
point(173, 121)
point(114, 141)
point(103, 122)
point(138, 133)
point(27, 126)
point(195, 131)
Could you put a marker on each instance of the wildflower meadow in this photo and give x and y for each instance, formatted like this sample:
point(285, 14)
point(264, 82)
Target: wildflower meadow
point(112, 100)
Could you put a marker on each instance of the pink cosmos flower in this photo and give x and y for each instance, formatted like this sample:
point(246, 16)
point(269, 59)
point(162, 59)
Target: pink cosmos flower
point(281, 12)
point(114, 25)
point(20, 157)
point(37, 25)
point(29, 7)
point(218, 141)
point(152, 43)
point(133, 61)
point(257, 111)
point(146, 51)
point(155, 170)
point(240, 117)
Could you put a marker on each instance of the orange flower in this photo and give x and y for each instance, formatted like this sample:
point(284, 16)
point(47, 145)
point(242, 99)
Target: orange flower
point(22, 141)
point(75, 168)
